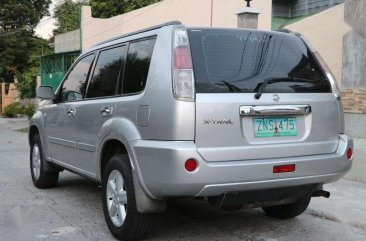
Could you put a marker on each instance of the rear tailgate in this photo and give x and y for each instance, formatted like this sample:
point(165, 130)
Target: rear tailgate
point(295, 117)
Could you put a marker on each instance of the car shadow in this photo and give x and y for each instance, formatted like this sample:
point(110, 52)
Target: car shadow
point(184, 219)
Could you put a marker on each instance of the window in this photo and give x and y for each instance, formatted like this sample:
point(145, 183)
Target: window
point(240, 60)
point(137, 66)
point(106, 73)
point(74, 86)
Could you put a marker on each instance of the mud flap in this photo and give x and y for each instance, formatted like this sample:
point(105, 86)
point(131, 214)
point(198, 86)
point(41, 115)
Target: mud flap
point(144, 203)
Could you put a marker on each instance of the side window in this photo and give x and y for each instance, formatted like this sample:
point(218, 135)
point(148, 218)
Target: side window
point(74, 86)
point(106, 73)
point(137, 65)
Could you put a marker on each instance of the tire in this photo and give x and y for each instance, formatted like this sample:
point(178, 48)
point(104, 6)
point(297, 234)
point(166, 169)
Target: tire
point(288, 211)
point(118, 188)
point(41, 179)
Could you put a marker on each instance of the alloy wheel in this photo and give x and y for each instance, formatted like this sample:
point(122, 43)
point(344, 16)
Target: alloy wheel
point(36, 161)
point(116, 198)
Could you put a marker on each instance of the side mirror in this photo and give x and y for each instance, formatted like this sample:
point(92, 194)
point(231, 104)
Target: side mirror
point(45, 93)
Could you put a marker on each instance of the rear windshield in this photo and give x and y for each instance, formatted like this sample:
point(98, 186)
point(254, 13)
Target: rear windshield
point(241, 60)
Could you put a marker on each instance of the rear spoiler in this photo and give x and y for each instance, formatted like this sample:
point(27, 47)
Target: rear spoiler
point(285, 30)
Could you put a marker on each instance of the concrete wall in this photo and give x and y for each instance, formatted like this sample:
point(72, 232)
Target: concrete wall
point(354, 68)
point(325, 31)
point(354, 61)
point(354, 48)
point(189, 12)
point(296, 8)
point(355, 124)
point(67, 42)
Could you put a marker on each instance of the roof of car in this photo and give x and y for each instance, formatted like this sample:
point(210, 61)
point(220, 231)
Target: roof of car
point(139, 31)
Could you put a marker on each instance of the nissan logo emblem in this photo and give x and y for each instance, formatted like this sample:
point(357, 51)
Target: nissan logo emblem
point(276, 98)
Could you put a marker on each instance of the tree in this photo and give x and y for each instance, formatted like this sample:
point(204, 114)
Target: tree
point(67, 13)
point(18, 18)
point(15, 14)
point(67, 16)
point(110, 8)
point(27, 77)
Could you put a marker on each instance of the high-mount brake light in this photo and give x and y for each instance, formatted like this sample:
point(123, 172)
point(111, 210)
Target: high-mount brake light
point(183, 76)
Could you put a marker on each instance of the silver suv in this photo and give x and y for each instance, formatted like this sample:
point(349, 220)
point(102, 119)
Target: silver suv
point(237, 117)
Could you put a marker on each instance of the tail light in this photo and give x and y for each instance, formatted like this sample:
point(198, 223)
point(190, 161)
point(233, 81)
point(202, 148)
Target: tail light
point(323, 64)
point(333, 82)
point(183, 76)
point(349, 154)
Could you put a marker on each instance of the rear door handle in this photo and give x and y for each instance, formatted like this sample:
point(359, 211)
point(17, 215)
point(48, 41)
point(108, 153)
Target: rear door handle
point(71, 112)
point(268, 110)
point(106, 111)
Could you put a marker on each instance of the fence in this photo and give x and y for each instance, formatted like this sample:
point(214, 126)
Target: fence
point(54, 67)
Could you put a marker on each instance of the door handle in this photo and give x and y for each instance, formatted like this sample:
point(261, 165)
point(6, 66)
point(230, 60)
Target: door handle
point(71, 112)
point(268, 110)
point(106, 111)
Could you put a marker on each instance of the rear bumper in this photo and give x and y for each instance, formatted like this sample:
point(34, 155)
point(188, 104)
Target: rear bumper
point(160, 167)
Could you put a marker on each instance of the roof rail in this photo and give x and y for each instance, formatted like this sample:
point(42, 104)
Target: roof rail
point(139, 31)
point(284, 30)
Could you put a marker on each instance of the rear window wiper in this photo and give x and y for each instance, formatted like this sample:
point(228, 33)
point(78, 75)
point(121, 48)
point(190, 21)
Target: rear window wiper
point(262, 86)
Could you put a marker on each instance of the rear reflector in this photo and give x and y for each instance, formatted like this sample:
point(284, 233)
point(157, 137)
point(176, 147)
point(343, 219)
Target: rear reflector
point(349, 153)
point(191, 165)
point(284, 168)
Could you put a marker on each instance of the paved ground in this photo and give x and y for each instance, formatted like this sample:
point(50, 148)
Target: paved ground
point(72, 211)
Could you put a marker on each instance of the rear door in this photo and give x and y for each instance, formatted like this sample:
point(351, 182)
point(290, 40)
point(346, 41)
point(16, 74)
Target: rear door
point(296, 115)
point(98, 106)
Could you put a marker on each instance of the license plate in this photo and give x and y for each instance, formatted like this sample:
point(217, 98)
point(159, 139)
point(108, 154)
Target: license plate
point(275, 126)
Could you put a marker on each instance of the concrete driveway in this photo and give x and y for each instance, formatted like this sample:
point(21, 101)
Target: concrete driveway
point(73, 210)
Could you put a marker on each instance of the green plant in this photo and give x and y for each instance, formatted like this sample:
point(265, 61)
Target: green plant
point(12, 110)
point(22, 130)
point(29, 110)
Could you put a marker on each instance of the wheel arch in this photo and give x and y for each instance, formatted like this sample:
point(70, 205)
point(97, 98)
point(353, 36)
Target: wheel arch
point(116, 134)
point(37, 125)
point(33, 131)
point(110, 148)
point(115, 144)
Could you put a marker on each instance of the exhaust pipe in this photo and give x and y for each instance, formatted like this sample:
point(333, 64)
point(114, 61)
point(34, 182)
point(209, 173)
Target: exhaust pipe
point(321, 193)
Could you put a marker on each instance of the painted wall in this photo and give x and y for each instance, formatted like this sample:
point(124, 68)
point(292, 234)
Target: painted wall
point(189, 12)
point(8, 95)
point(67, 42)
point(325, 32)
